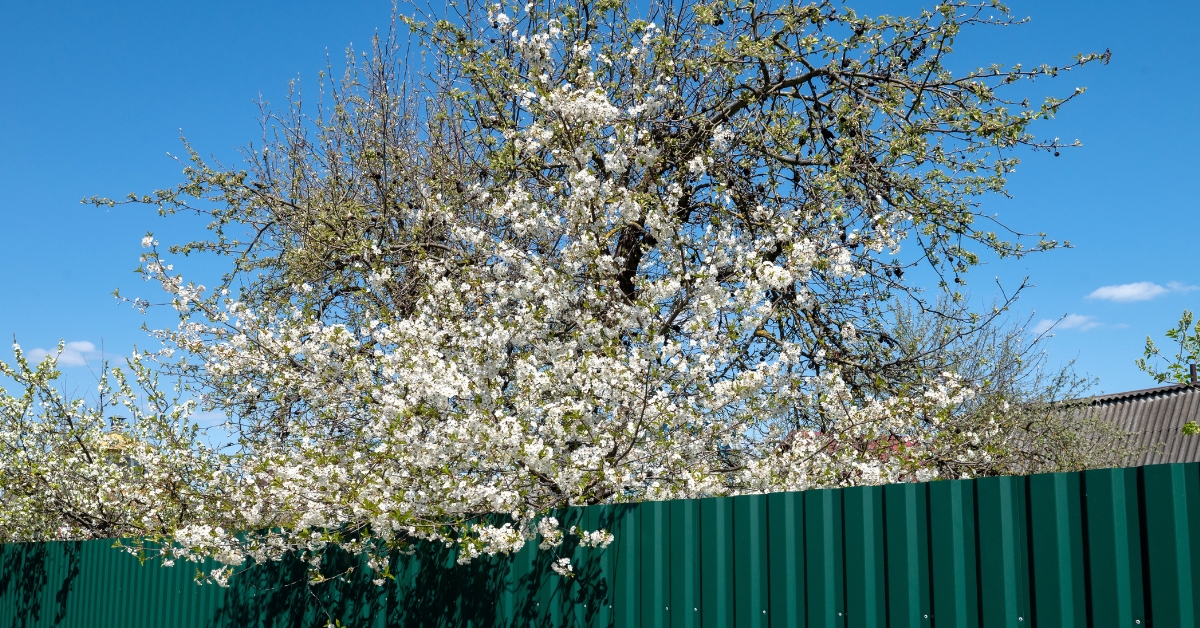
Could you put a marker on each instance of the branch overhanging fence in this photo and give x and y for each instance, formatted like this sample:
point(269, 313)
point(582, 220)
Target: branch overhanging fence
point(1111, 547)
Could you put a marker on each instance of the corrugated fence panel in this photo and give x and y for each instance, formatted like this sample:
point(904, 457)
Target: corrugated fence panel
point(866, 582)
point(1114, 535)
point(1171, 505)
point(1056, 541)
point(716, 563)
point(684, 564)
point(823, 558)
point(751, 564)
point(954, 586)
point(906, 521)
point(627, 599)
point(1003, 553)
point(653, 557)
point(785, 543)
point(1105, 548)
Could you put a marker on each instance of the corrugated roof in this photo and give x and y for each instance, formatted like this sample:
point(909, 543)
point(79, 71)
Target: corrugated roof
point(1157, 415)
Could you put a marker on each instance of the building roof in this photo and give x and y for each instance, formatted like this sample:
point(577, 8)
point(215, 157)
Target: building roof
point(1157, 415)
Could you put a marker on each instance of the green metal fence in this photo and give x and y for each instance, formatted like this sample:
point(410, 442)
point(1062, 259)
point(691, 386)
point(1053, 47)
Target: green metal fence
point(1114, 547)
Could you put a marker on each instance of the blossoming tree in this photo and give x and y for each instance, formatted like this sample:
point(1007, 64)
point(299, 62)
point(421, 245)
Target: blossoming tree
point(582, 252)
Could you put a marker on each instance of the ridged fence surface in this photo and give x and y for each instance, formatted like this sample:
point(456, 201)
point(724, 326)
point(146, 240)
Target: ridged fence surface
point(1114, 547)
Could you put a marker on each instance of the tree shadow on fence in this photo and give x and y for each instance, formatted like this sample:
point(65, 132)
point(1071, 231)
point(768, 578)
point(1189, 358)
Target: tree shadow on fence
point(73, 554)
point(595, 582)
point(22, 579)
point(430, 590)
point(266, 595)
point(26, 574)
point(349, 596)
point(279, 595)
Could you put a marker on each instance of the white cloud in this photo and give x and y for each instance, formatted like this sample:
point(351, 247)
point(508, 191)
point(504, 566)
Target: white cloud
point(1126, 292)
point(1070, 321)
point(1140, 291)
point(75, 353)
point(1175, 286)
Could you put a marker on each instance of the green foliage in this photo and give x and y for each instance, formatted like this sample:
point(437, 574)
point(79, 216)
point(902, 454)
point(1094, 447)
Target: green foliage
point(1185, 337)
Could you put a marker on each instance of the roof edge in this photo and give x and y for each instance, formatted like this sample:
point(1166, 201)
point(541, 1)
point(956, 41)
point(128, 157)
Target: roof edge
point(1134, 394)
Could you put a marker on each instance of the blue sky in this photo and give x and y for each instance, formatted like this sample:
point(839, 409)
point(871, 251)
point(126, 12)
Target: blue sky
point(94, 95)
